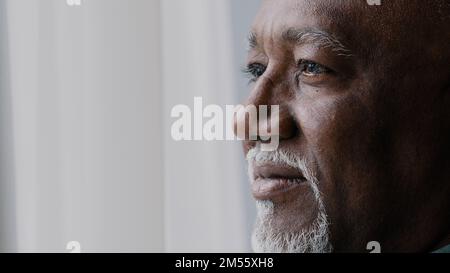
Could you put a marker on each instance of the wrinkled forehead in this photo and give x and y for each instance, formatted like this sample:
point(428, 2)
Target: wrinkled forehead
point(338, 17)
point(297, 9)
point(360, 26)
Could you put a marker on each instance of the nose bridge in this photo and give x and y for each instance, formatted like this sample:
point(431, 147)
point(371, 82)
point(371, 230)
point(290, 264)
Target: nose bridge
point(262, 92)
point(270, 100)
point(272, 86)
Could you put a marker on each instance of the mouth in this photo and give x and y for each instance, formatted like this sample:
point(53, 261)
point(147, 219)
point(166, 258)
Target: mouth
point(272, 181)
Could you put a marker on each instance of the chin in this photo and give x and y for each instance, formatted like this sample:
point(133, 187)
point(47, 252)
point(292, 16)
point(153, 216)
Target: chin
point(274, 233)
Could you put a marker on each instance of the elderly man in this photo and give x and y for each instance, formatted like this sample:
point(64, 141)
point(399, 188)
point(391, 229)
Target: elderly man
point(364, 125)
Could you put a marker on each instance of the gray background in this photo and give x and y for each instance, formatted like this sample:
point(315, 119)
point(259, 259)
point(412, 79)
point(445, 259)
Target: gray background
point(84, 94)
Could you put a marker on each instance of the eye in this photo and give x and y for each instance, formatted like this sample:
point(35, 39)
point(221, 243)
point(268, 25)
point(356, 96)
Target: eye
point(254, 71)
point(311, 69)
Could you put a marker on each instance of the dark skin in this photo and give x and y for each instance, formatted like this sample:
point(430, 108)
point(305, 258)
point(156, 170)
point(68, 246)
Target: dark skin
point(374, 122)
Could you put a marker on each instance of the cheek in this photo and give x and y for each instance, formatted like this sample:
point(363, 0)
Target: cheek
point(317, 120)
point(347, 143)
point(336, 129)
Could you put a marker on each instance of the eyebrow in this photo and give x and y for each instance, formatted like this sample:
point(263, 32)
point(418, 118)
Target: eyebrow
point(252, 40)
point(304, 36)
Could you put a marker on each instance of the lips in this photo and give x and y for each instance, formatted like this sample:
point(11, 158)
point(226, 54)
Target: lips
point(271, 181)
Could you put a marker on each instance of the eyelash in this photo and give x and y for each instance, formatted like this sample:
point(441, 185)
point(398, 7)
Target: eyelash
point(305, 64)
point(255, 70)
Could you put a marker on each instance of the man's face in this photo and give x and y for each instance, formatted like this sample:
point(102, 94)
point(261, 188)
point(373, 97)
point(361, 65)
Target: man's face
point(363, 96)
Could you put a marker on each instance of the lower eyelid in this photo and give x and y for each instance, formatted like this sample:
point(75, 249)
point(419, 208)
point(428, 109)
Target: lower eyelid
point(309, 80)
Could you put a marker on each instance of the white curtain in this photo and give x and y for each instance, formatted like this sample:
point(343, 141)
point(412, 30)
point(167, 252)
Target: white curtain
point(204, 192)
point(85, 150)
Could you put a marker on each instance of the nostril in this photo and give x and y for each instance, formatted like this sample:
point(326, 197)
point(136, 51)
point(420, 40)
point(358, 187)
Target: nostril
point(288, 129)
point(287, 125)
point(250, 124)
point(264, 139)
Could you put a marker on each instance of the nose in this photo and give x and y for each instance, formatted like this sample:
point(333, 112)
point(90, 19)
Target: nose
point(265, 115)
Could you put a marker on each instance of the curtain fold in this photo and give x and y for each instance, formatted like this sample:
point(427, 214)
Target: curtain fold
point(85, 148)
point(8, 237)
point(204, 185)
point(81, 126)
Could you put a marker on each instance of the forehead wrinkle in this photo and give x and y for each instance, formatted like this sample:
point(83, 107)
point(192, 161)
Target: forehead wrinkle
point(255, 38)
point(315, 36)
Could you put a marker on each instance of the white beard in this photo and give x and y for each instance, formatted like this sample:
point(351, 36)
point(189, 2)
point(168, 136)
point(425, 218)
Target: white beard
point(266, 238)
